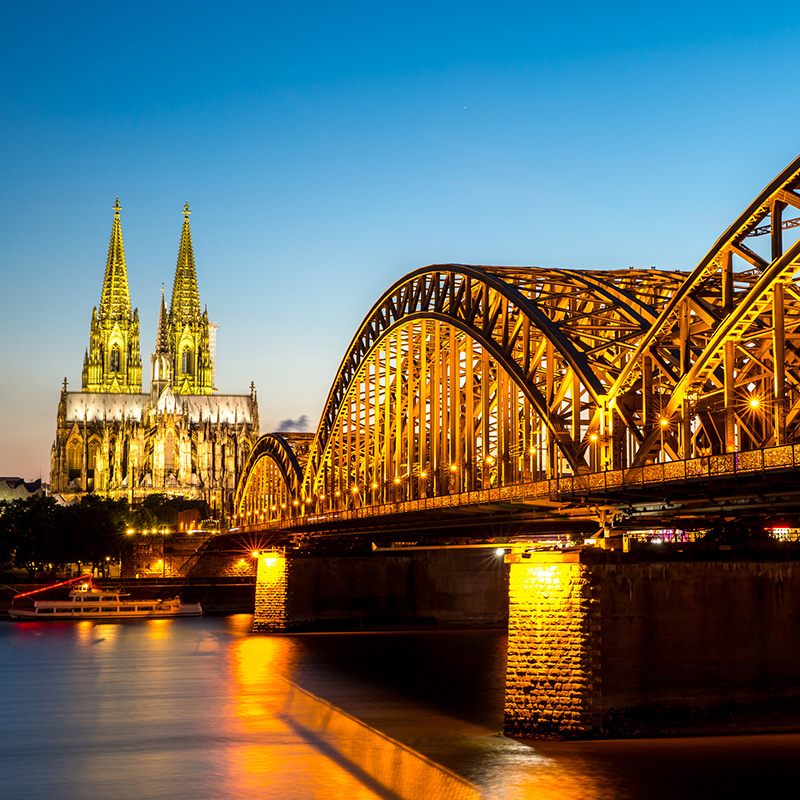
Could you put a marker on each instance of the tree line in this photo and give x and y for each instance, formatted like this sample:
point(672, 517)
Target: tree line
point(41, 536)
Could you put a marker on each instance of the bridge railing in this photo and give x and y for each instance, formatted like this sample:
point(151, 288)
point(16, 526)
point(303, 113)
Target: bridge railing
point(593, 483)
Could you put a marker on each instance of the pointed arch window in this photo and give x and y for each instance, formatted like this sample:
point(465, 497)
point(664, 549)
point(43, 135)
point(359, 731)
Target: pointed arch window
point(114, 360)
point(186, 361)
point(74, 459)
point(169, 452)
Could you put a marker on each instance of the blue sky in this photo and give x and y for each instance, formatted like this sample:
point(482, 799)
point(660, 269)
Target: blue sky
point(326, 149)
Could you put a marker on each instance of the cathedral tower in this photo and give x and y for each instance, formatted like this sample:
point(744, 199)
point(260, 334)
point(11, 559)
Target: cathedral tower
point(112, 362)
point(187, 328)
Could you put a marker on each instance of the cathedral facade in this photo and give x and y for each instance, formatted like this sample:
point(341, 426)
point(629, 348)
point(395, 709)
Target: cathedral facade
point(181, 437)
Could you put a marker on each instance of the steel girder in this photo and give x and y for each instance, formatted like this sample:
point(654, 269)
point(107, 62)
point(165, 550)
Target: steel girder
point(556, 335)
point(457, 367)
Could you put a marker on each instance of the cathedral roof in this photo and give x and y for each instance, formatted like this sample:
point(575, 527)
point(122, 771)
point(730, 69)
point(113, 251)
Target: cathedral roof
point(185, 304)
point(115, 407)
point(116, 300)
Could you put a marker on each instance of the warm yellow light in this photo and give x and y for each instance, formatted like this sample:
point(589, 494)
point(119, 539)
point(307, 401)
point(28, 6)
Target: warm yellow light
point(296, 503)
point(354, 490)
point(254, 554)
point(374, 485)
point(490, 459)
point(397, 480)
point(593, 437)
point(754, 402)
point(423, 474)
point(664, 422)
point(338, 493)
point(130, 531)
point(453, 468)
point(283, 505)
point(322, 497)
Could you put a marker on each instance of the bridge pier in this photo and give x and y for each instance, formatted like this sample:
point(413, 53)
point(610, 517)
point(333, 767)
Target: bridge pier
point(552, 672)
point(604, 643)
point(272, 595)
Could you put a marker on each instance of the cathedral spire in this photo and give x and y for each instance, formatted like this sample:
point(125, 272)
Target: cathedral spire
point(161, 362)
point(162, 337)
point(188, 329)
point(115, 302)
point(112, 362)
point(185, 305)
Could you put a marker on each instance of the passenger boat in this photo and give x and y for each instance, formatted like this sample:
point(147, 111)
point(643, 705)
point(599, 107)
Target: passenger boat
point(91, 602)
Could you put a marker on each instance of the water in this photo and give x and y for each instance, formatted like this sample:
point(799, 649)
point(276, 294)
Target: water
point(192, 709)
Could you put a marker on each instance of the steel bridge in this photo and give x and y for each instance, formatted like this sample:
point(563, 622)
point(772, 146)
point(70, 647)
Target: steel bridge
point(543, 394)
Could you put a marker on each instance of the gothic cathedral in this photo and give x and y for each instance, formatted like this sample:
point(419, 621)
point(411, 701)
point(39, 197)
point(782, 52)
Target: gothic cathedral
point(180, 438)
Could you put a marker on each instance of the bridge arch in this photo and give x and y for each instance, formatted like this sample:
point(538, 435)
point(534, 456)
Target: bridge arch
point(270, 481)
point(512, 374)
point(538, 327)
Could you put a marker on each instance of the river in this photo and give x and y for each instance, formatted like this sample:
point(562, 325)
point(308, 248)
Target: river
point(191, 708)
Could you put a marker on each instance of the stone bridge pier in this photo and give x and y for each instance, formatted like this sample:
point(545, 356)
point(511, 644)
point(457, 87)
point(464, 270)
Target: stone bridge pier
point(600, 643)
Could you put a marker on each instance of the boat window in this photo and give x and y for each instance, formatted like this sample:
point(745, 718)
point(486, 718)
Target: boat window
point(110, 609)
point(45, 610)
point(144, 608)
point(90, 610)
point(78, 599)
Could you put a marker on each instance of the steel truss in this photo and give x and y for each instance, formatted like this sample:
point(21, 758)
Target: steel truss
point(464, 378)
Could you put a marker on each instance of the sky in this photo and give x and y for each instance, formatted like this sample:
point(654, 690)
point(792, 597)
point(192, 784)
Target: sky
point(327, 149)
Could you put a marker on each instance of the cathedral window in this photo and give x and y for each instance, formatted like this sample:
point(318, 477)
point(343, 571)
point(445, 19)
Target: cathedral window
point(186, 361)
point(91, 462)
point(74, 459)
point(115, 360)
point(169, 452)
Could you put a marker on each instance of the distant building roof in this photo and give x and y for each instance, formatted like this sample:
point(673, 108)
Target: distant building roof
point(19, 488)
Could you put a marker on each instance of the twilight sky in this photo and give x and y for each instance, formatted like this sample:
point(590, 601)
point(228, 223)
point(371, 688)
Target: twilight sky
point(326, 149)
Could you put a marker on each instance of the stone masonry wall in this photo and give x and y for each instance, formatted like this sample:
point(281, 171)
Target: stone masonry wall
point(271, 612)
point(690, 642)
point(552, 674)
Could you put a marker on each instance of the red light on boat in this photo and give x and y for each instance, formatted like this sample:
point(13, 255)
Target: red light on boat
point(54, 586)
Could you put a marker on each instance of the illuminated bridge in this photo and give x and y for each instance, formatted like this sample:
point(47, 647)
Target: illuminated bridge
point(545, 395)
point(499, 406)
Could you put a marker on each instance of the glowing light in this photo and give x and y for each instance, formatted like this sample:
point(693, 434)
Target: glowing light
point(130, 531)
point(338, 493)
point(255, 554)
point(499, 552)
point(354, 490)
point(296, 503)
point(593, 437)
point(754, 402)
point(490, 459)
point(423, 474)
point(374, 485)
point(397, 480)
point(453, 468)
point(664, 422)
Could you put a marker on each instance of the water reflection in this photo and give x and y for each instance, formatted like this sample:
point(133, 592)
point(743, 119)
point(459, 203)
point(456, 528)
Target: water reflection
point(194, 709)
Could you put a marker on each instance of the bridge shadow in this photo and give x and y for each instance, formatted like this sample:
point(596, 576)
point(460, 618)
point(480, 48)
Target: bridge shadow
point(459, 673)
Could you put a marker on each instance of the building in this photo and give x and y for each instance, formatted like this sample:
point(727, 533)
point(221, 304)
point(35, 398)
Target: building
point(180, 437)
point(20, 489)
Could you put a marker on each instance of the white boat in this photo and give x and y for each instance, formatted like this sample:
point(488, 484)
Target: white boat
point(91, 602)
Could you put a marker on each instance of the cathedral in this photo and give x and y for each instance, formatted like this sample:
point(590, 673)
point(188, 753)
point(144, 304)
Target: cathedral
point(181, 438)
